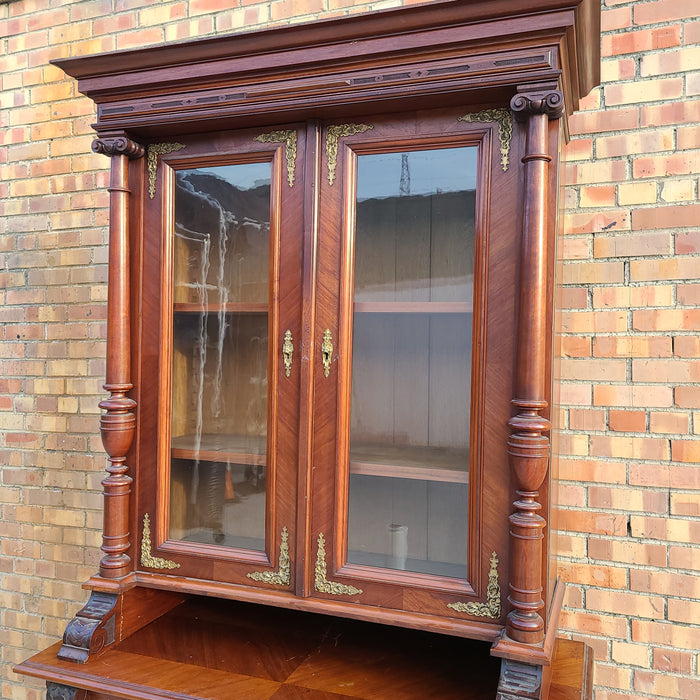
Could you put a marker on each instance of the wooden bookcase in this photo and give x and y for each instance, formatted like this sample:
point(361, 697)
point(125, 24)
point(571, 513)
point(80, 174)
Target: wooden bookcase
point(332, 262)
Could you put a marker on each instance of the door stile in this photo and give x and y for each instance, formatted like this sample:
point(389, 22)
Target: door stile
point(307, 356)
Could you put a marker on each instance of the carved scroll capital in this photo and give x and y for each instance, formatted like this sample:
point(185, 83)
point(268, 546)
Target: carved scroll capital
point(118, 146)
point(91, 630)
point(538, 101)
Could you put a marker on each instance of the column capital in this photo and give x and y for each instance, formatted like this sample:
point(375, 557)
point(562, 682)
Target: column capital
point(538, 99)
point(118, 146)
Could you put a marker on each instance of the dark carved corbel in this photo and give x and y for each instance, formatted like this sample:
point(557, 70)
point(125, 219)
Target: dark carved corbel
point(91, 630)
point(118, 146)
point(537, 99)
point(519, 681)
point(56, 691)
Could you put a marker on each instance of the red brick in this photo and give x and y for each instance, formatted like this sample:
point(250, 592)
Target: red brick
point(592, 470)
point(587, 419)
point(632, 346)
point(685, 451)
point(594, 196)
point(685, 112)
point(687, 243)
point(632, 245)
point(666, 686)
point(636, 142)
point(663, 11)
point(589, 222)
point(685, 504)
point(688, 294)
point(669, 422)
point(575, 394)
point(684, 557)
point(691, 33)
point(666, 320)
point(687, 345)
point(599, 624)
point(676, 268)
point(591, 522)
point(672, 660)
point(635, 395)
point(641, 40)
point(596, 172)
point(594, 575)
point(662, 166)
point(666, 217)
point(665, 529)
point(627, 552)
point(575, 346)
point(642, 448)
point(667, 371)
point(666, 583)
point(628, 421)
point(603, 121)
point(627, 499)
point(625, 603)
point(594, 369)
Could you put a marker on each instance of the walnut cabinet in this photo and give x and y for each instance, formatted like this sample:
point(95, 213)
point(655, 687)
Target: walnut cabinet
point(330, 327)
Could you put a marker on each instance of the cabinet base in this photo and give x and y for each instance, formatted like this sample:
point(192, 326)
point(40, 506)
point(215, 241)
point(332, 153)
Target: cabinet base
point(223, 650)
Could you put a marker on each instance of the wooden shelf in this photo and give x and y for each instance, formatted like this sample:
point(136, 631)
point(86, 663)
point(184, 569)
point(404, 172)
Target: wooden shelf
point(410, 462)
point(232, 307)
point(412, 307)
point(233, 449)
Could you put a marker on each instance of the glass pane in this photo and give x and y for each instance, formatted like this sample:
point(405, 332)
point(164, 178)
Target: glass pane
point(220, 346)
point(411, 366)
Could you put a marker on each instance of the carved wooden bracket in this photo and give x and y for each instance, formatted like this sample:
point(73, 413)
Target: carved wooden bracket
point(56, 691)
point(91, 630)
point(519, 681)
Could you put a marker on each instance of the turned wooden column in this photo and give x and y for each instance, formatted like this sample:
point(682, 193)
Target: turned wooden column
point(118, 422)
point(528, 443)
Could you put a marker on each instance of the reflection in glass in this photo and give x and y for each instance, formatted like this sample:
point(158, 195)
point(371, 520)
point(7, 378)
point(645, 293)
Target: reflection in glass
point(411, 360)
point(220, 337)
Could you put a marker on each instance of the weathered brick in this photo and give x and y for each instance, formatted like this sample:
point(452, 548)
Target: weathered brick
point(662, 11)
point(669, 422)
point(628, 552)
point(632, 244)
point(677, 268)
point(628, 421)
point(639, 448)
point(637, 193)
point(621, 603)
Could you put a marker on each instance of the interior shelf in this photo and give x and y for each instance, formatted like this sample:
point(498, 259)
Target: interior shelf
point(410, 462)
point(231, 307)
point(413, 307)
point(234, 449)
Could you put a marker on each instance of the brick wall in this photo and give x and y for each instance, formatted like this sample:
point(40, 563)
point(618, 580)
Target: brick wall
point(630, 316)
point(630, 312)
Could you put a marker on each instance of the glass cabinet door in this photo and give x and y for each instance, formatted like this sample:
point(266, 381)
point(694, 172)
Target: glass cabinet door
point(223, 498)
point(394, 501)
point(411, 360)
point(219, 418)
